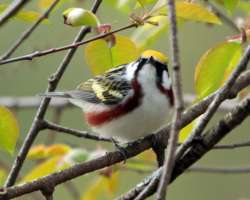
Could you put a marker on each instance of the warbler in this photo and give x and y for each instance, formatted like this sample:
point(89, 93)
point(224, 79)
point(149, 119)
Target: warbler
point(129, 101)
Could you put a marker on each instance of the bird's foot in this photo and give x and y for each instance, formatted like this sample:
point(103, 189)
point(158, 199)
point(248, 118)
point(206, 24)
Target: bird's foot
point(121, 149)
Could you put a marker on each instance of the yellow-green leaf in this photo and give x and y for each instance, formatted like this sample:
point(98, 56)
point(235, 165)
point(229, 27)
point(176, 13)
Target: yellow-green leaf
point(100, 57)
point(195, 12)
point(213, 65)
point(230, 5)
point(102, 186)
point(80, 17)
point(185, 132)
point(45, 168)
point(3, 175)
point(188, 11)
point(147, 34)
point(9, 130)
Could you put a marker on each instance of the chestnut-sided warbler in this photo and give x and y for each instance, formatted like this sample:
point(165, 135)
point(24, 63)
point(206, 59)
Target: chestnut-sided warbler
point(128, 102)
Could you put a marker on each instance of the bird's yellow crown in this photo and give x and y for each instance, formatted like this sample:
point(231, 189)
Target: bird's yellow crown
point(156, 55)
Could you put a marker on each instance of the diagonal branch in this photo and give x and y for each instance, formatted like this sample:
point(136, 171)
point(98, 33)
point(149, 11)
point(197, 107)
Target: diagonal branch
point(74, 45)
point(211, 137)
point(29, 31)
point(36, 126)
point(13, 8)
point(219, 98)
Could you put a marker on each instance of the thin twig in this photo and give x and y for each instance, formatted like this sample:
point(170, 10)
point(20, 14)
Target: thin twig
point(12, 9)
point(74, 45)
point(35, 127)
point(220, 96)
point(178, 104)
point(28, 32)
point(82, 134)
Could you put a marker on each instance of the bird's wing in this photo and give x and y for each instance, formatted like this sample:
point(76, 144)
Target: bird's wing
point(109, 89)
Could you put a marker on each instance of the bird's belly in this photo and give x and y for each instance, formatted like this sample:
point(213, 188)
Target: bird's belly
point(149, 117)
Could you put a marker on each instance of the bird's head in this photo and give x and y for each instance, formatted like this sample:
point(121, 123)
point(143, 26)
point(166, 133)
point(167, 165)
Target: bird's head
point(155, 56)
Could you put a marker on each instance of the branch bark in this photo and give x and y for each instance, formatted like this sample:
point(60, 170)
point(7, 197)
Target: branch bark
point(74, 45)
point(138, 147)
point(211, 137)
point(13, 8)
point(29, 31)
point(178, 105)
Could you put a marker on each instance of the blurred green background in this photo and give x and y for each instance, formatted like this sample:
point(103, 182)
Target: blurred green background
point(29, 78)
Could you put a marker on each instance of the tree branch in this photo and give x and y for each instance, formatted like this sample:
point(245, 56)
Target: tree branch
point(28, 32)
point(138, 147)
point(74, 45)
point(211, 137)
point(81, 134)
point(35, 127)
point(219, 98)
point(13, 8)
point(178, 104)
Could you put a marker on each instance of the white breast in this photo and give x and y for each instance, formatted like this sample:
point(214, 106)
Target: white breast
point(150, 116)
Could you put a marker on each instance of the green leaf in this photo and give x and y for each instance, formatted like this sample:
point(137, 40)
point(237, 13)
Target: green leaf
point(213, 65)
point(124, 6)
point(195, 12)
point(100, 57)
point(144, 3)
point(187, 11)
point(3, 175)
point(9, 130)
point(24, 15)
point(230, 5)
point(244, 6)
point(147, 34)
point(80, 17)
point(76, 156)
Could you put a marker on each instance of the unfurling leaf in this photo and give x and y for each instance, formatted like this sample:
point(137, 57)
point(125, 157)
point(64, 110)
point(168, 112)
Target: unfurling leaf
point(9, 130)
point(80, 17)
point(100, 57)
point(215, 66)
point(187, 11)
point(41, 151)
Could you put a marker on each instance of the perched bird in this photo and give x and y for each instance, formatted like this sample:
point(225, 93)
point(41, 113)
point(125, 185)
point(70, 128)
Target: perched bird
point(128, 102)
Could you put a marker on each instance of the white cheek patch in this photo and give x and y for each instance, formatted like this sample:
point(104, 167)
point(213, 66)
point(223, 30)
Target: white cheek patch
point(130, 71)
point(166, 81)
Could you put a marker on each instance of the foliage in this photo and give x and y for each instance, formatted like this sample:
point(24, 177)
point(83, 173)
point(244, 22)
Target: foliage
point(9, 130)
point(150, 16)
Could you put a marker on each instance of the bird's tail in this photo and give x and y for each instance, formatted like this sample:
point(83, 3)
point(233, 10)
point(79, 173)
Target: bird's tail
point(66, 95)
